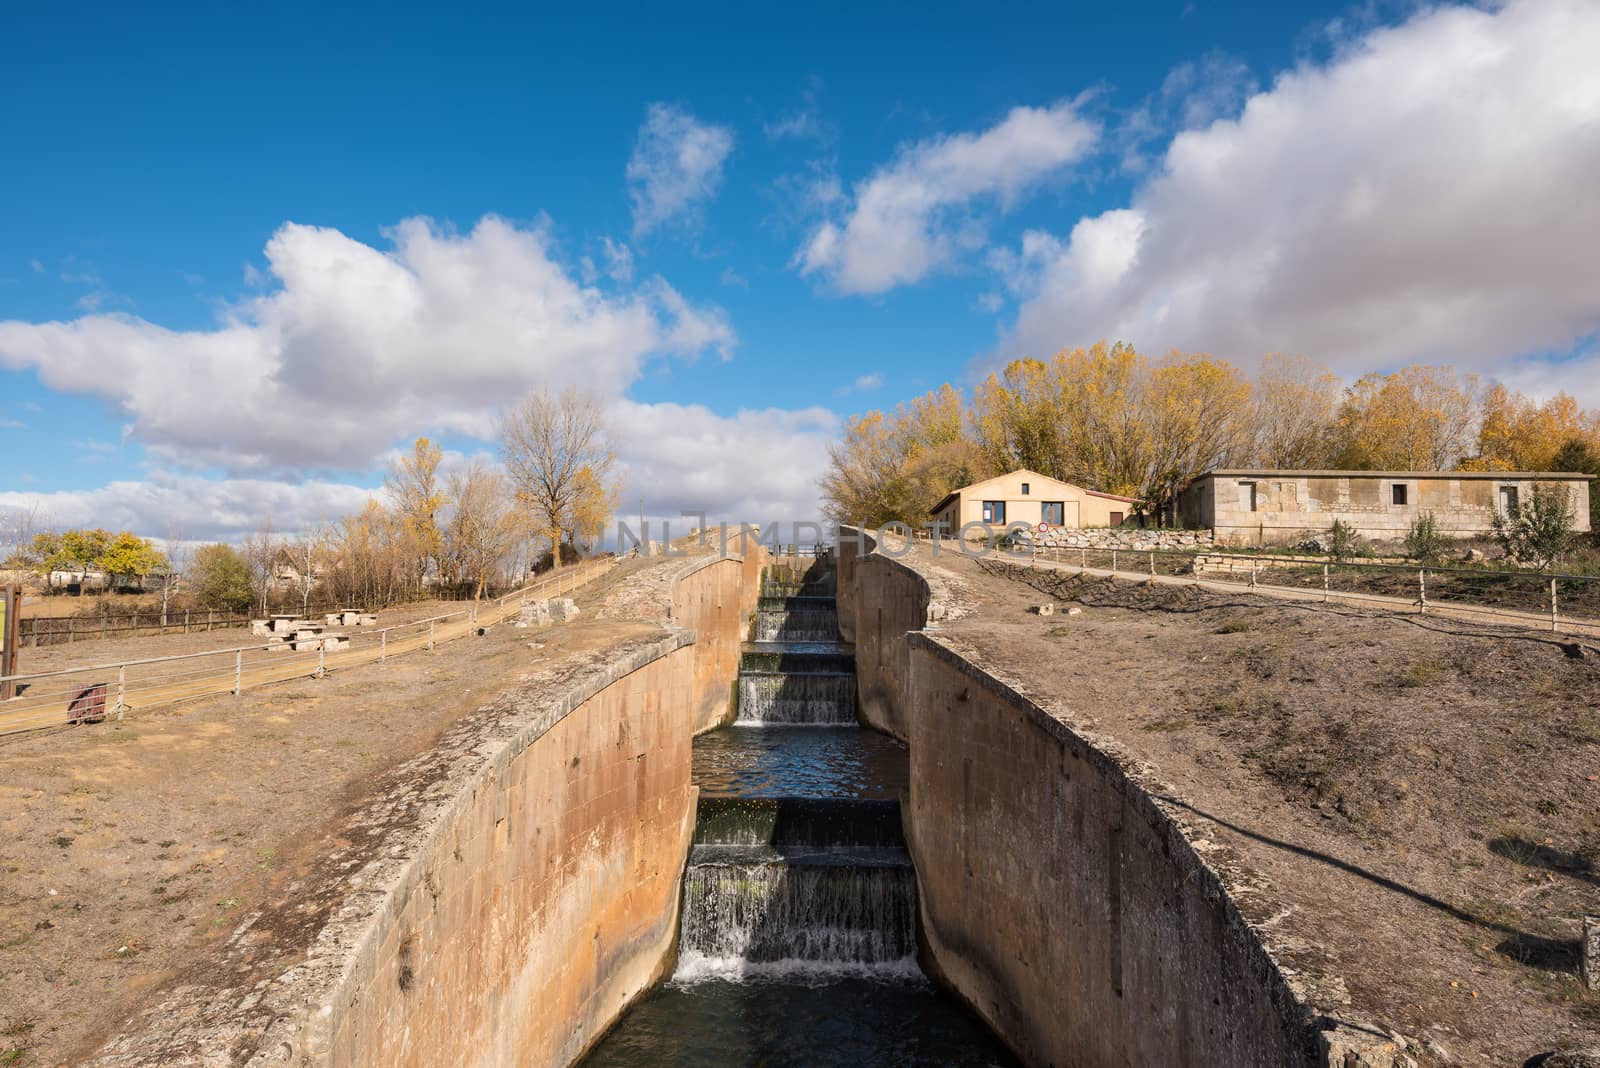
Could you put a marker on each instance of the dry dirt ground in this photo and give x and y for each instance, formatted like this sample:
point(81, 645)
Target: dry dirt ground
point(129, 851)
point(1425, 795)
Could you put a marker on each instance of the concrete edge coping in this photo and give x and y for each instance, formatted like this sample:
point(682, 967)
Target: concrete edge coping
point(1309, 999)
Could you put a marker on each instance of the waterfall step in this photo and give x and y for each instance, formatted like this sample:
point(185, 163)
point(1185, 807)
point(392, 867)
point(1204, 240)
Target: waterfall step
point(801, 624)
point(783, 698)
point(799, 658)
point(746, 915)
point(798, 825)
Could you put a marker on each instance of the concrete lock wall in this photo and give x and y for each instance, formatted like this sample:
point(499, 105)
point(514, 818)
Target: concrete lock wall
point(1057, 896)
point(716, 598)
point(546, 899)
point(1063, 903)
point(880, 600)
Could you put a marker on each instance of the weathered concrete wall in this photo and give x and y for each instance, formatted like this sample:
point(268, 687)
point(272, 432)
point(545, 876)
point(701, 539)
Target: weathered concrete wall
point(715, 598)
point(1064, 902)
point(880, 599)
point(547, 900)
point(1058, 896)
point(520, 886)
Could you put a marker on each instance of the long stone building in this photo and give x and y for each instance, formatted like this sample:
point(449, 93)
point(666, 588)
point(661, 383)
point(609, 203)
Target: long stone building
point(1267, 507)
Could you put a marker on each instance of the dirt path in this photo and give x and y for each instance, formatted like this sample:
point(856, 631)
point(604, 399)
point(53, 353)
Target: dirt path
point(1424, 795)
point(129, 851)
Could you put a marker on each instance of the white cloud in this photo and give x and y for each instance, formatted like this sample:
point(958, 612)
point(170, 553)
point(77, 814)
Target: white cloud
point(193, 508)
point(676, 167)
point(1429, 193)
point(753, 466)
point(360, 347)
point(865, 384)
point(916, 214)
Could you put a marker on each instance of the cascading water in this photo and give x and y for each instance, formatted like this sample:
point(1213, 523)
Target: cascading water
point(797, 936)
point(804, 697)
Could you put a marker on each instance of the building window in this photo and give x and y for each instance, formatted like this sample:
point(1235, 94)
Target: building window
point(1053, 512)
point(994, 511)
point(1024, 489)
point(1508, 499)
point(1398, 491)
point(1116, 519)
point(1247, 496)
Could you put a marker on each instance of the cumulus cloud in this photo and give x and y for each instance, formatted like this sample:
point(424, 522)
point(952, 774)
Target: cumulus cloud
point(359, 347)
point(192, 508)
point(676, 167)
point(755, 465)
point(916, 214)
point(1426, 193)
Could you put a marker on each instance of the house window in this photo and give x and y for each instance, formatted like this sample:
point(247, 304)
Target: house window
point(1024, 489)
point(1247, 496)
point(1116, 519)
point(994, 512)
point(1053, 512)
point(1398, 491)
point(1508, 499)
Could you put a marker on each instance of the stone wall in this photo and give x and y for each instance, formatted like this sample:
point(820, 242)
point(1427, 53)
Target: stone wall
point(1116, 538)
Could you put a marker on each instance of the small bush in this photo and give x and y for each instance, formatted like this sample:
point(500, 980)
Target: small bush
point(1424, 542)
point(1538, 530)
point(1344, 542)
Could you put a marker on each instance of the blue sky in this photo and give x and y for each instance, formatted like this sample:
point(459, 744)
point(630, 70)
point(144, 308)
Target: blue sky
point(740, 211)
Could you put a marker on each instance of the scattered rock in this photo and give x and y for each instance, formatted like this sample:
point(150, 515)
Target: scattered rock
point(1043, 609)
point(1074, 611)
point(563, 609)
point(1572, 1058)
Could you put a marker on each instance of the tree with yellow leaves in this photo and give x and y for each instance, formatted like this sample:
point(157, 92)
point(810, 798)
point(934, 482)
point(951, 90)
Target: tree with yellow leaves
point(1520, 434)
point(413, 485)
point(1420, 418)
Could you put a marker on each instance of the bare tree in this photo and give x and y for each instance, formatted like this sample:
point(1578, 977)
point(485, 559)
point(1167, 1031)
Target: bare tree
point(18, 525)
point(559, 461)
point(171, 577)
point(482, 528)
point(260, 553)
point(1294, 410)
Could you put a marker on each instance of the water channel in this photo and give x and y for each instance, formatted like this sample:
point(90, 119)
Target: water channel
point(797, 938)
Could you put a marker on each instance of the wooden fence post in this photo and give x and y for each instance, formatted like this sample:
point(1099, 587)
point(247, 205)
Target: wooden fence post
point(1324, 583)
point(238, 672)
point(1555, 618)
point(122, 687)
point(1422, 591)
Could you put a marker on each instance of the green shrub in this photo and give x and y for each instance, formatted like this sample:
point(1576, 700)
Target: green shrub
point(1538, 530)
point(1424, 542)
point(1344, 542)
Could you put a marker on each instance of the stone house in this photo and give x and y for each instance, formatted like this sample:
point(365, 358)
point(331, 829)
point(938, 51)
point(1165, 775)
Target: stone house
point(1279, 507)
point(1028, 497)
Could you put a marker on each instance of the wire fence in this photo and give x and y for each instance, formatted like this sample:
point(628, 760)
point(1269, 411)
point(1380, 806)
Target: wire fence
point(93, 692)
point(1556, 602)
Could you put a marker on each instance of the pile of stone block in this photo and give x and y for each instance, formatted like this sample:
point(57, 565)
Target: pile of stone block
point(289, 633)
point(350, 618)
point(544, 612)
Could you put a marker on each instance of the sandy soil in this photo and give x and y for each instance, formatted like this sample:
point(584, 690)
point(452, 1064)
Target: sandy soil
point(129, 851)
point(1425, 795)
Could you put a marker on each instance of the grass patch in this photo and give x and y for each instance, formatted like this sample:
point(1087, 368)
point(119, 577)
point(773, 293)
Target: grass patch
point(1423, 672)
point(1236, 626)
